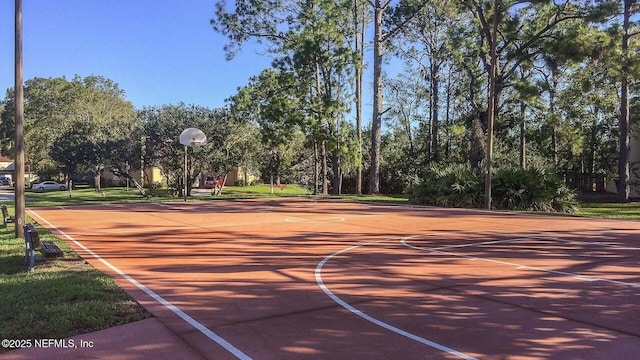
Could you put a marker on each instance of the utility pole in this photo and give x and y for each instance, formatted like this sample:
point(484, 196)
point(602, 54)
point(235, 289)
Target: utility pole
point(19, 117)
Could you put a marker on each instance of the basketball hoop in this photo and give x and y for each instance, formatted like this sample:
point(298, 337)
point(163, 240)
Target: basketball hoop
point(191, 137)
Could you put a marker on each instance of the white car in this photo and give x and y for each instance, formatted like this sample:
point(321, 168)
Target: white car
point(48, 185)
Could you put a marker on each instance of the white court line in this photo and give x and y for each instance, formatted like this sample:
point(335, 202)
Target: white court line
point(315, 220)
point(344, 304)
point(598, 243)
point(467, 245)
point(191, 321)
point(516, 265)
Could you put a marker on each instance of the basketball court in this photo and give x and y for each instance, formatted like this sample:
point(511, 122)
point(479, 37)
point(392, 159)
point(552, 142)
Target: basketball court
point(300, 278)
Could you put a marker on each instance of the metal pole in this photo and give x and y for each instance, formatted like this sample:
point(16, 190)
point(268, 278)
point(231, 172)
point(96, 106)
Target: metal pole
point(185, 173)
point(19, 115)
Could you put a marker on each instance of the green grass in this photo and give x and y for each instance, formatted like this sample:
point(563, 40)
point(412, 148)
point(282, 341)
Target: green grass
point(629, 211)
point(121, 195)
point(390, 199)
point(90, 196)
point(61, 298)
point(263, 190)
point(67, 297)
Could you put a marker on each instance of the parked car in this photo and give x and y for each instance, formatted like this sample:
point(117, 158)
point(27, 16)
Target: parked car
point(48, 185)
point(209, 182)
point(5, 181)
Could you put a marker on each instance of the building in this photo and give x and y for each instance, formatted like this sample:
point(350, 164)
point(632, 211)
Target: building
point(634, 168)
point(6, 167)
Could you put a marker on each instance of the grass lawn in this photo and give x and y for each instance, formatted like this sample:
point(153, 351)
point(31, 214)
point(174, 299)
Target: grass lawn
point(63, 297)
point(629, 211)
point(90, 196)
point(121, 195)
point(67, 297)
point(263, 190)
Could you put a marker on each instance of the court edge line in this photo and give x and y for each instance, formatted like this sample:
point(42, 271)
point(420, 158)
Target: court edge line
point(344, 304)
point(184, 316)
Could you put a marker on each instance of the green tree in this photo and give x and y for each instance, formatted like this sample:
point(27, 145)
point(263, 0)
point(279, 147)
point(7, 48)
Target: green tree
point(48, 106)
point(511, 33)
point(273, 100)
point(234, 142)
point(311, 44)
point(101, 103)
point(320, 50)
point(425, 43)
point(92, 107)
point(162, 128)
point(407, 121)
point(73, 149)
point(590, 106)
point(381, 37)
point(229, 141)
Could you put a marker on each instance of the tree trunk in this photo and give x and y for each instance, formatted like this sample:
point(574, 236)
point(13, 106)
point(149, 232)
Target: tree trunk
point(552, 109)
point(623, 156)
point(336, 162)
point(376, 123)
point(359, 24)
point(523, 135)
point(96, 179)
point(447, 115)
point(476, 153)
point(316, 169)
point(491, 108)
point(337, 176)
point(325, 170)
point(224, 181)
point(136, 184)
point(435, 109)
point(592, 155)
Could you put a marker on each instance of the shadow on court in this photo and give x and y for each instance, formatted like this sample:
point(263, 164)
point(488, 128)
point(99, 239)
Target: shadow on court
point(397, 281)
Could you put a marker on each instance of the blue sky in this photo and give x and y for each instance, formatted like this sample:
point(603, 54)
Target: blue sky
point(158, 51)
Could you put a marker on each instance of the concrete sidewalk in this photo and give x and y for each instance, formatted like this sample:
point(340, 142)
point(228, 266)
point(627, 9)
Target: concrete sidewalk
point(145, 339)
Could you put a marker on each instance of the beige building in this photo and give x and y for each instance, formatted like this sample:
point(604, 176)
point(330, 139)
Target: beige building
point(234, 177)
point(6, 167)
point(634, 166)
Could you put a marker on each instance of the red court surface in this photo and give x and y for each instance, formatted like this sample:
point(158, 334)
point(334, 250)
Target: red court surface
point(299, 278)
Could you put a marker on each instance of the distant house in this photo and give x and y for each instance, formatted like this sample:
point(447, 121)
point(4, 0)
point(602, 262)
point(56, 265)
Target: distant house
point(152, 175)
point(241, 176)
point(634, 167)
point(6, 167)
point(238, 176)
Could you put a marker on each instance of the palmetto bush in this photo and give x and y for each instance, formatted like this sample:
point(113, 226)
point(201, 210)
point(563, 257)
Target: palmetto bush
point(449, 186)
point(531, 189)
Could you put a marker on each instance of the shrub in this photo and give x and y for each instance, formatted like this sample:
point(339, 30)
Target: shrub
point(532, 189)
point(448, 186)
